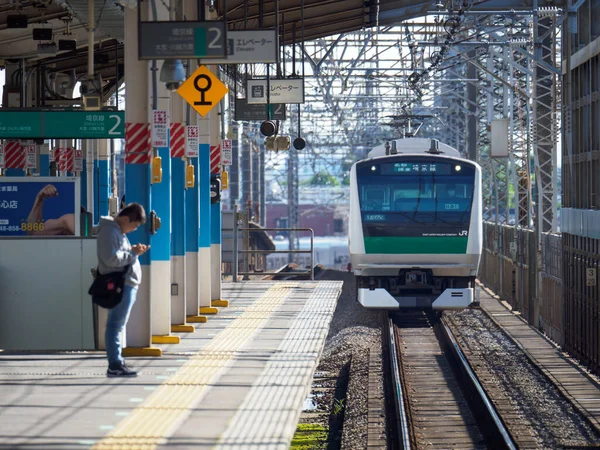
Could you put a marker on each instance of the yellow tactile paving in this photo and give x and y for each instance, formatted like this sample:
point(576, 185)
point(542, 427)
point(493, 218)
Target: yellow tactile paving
point(151, 423)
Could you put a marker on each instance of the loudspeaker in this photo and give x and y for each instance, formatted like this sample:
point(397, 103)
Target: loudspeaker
point(268, 128)
point(67, 44)
point(42, 34)
point(16, 21)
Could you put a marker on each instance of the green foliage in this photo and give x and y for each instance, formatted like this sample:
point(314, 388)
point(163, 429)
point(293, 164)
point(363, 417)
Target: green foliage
point(324, 179)
point(338, 406)
point(309, 436)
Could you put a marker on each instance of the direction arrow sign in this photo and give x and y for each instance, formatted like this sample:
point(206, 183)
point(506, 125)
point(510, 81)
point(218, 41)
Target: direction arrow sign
point(203, 90)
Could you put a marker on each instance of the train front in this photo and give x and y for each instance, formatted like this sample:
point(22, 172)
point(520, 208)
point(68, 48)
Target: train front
point(415, 231)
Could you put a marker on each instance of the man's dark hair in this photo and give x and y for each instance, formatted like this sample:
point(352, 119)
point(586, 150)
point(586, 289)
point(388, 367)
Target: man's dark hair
point(135, 212)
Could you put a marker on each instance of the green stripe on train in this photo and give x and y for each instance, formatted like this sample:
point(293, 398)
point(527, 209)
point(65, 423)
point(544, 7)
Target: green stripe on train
point(416, 245)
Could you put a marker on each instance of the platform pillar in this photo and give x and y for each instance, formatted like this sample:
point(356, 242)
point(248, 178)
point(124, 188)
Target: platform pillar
point(204, 253)
point(215, 208)
point(44, 152)
point(103, 165)
point(137, 176)
point(178, 208)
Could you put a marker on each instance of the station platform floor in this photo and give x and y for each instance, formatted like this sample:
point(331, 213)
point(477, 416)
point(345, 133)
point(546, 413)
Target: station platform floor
point(578, 385)
point(239, 381)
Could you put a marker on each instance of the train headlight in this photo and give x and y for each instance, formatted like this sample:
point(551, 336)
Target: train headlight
point(373, 168)
point(457, 168)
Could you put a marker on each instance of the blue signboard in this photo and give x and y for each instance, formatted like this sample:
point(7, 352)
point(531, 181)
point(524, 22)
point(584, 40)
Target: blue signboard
point(40, 206)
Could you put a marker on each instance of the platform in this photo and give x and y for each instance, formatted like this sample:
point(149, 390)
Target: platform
point(238, 382)
point(580, 387)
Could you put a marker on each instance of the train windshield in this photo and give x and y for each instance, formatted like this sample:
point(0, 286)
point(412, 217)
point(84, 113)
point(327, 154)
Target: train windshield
point(416, 197)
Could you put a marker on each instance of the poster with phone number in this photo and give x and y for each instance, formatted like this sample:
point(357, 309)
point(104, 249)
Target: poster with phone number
point(40, 206)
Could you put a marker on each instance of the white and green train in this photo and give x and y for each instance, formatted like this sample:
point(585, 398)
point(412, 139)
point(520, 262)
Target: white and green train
point(415, 231)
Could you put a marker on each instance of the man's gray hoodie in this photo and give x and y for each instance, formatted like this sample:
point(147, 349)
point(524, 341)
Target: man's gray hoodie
point(114, 252)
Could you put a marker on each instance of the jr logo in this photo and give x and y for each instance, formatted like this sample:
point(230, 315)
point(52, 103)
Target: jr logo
point(464, 233)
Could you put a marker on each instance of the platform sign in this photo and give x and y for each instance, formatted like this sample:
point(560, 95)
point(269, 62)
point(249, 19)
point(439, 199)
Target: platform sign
point(39, 206)
point(182, 40)
point(2, 157)
point(281, 90)
point(226, 152)
point(192, 140)
point(62, 124)
point(30, 157)
point(244, 111)
point(250, 46)
point(203, 90)
point(78, 161)
point(160, 129)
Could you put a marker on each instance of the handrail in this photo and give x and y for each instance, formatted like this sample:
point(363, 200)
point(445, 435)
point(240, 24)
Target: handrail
point(245, 252)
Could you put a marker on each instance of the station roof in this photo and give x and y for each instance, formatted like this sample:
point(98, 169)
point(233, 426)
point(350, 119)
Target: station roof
point(321, 18)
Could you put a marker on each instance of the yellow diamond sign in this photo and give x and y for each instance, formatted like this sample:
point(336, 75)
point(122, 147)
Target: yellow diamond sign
point(203, 90)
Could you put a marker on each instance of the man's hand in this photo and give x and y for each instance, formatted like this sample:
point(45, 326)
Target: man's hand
point(140, 249)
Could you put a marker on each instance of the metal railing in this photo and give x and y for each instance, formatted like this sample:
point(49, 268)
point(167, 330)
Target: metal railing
point(257, 255)
point(309, 272)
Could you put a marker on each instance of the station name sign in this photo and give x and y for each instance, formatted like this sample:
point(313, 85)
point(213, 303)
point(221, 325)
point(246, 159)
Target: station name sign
point(182, 40)
point(62, 124)
point(244, 111)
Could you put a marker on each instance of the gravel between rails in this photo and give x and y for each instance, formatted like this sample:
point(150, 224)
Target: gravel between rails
point(552, 419)
point(354, 332)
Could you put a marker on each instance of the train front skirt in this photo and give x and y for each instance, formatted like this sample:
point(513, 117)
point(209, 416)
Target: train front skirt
point(380, 298)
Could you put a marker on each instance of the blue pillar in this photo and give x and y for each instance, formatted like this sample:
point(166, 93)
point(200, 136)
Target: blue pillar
point(192, 244)
point(160, 263)
point(204, 263)
point(44, 165)
point(97, 191)
point(103, 186)
point(83, 188)
point(178, 241)
point(137, 182)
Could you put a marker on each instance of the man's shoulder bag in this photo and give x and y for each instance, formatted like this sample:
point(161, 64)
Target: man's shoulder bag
point(107, 289)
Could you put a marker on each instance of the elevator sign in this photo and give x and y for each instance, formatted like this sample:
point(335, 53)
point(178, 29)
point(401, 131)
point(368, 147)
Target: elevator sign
point(203, 90)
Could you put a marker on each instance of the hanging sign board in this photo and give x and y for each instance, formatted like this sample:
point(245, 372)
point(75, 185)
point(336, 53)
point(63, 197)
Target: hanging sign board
point(281, 90)
point(78, 161)
point(250, 46)
point(244, 111)
point(160, 129)
point(30, 157)
point(192, 140)
point(499, 138)
point(182, 40)
point(226, 152)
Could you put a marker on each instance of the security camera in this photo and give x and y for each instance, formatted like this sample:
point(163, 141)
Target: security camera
point(172, 73)
point(173, 85)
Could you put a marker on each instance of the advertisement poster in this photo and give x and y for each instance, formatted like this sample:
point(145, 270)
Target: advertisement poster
point(40, 206)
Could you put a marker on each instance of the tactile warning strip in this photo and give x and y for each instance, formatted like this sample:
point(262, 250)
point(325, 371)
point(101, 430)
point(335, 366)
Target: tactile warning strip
point(268, 416)
point(151, 423)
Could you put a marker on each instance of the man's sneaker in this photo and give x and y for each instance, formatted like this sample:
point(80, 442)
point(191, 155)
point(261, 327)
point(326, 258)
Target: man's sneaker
point(120, 371)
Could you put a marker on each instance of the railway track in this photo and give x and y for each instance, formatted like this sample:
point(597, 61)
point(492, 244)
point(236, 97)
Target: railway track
point(440, 403)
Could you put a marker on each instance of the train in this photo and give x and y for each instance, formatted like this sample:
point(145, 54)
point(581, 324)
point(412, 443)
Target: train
point(415, 230)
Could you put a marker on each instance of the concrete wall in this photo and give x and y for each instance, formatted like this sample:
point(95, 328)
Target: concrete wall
point(44, 304)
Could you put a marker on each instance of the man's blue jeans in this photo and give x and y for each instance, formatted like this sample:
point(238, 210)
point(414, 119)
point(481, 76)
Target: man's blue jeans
point(117, 319)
